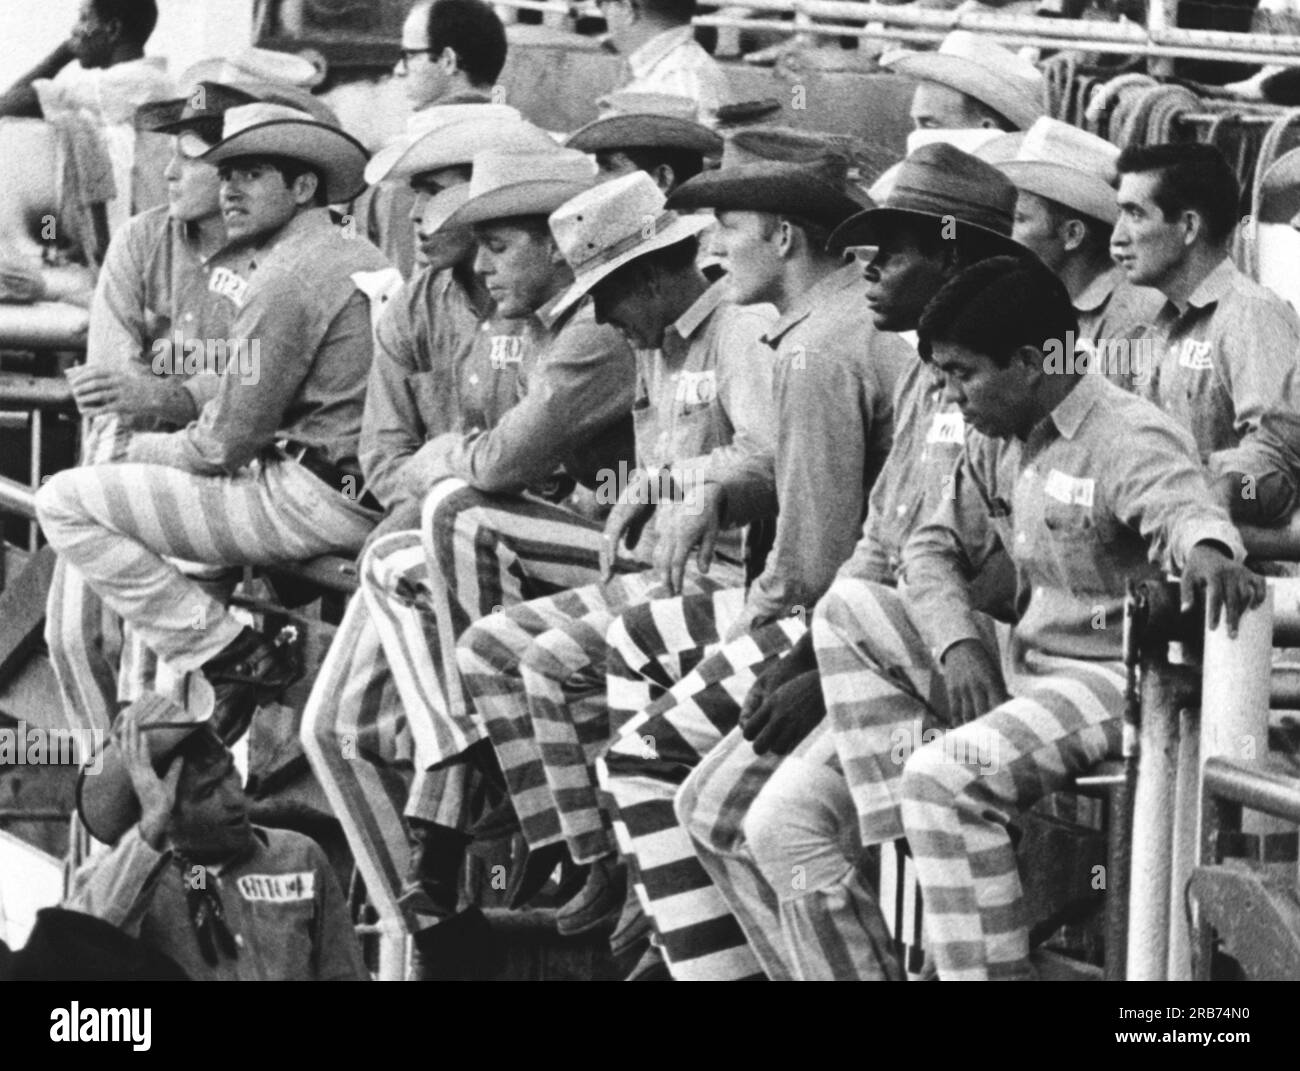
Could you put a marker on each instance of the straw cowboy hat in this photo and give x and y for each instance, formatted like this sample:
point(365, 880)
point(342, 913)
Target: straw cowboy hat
point(451, 135)
point(646, 121)
point(995, 76)
point(611, 225)
point(1062, 163)
point(254, 65)
point(940, 182)
point(202, 108)
point(771, 169)
point(106, 798)
point(975, 141)
point(503, 184)
point(275, 130)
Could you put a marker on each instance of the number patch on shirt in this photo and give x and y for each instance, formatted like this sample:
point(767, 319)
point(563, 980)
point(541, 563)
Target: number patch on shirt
point(947, 428)
point(506, 350)
point(696, 388)
point(1195, 355)
point(1071, 490)
point(278, 888)
point(229, 284)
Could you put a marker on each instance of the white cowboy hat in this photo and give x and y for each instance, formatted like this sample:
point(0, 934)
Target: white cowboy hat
point(611, 225)
point(1062, 163)
point(254, 65)
point(451, 135)
point(507, 184)
point(995, 76)
point(275, 130)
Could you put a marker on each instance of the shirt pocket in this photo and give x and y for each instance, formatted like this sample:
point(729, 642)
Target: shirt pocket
point(1080, 540)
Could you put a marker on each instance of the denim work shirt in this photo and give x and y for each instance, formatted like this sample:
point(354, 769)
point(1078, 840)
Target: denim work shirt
point(1104, 490)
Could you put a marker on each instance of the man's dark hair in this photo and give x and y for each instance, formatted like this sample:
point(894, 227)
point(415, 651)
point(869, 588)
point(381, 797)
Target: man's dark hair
point(685, 163)
point(995, 307)
point(290, 169)
point(1192, 177)
point(202, 749)
point(537, 227)
point(679, 256)
point(137, 17)
point(471, 29)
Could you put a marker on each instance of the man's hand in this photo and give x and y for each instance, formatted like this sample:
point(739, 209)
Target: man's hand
point(101, 389)
point(157, 795)
point(786, 716)
point(795, 662)
point(694, 523)
point(974, 681)
point(1229, 587)
point(626, 520)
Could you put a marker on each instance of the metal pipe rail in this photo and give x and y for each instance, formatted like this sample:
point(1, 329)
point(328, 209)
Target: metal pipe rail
point(1269, 793)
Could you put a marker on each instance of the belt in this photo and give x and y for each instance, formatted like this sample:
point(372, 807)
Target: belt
point(350, 485)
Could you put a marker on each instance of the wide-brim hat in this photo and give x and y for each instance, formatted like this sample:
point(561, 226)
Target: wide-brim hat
point(612, 224)
point(646, 121)
point(106, 799)
point(1067, 165)
point(276, 130)
point(71, 946)
point(995, 76)
point(442, 206)
point(943, 183)
point(451, 135)
point(505, 185)
point(254, 65)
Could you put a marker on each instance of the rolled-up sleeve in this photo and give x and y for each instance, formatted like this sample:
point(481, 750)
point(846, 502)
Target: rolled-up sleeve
point(118, 887)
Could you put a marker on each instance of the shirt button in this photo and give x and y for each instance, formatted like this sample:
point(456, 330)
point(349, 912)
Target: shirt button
point(901, 510)
point(485, 326)
point(473, 380)
point(1021, 537)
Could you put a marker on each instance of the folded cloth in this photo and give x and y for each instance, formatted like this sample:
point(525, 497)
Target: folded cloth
point(20, 282)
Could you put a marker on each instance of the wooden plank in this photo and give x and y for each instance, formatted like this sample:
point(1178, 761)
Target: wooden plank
point(22, 611)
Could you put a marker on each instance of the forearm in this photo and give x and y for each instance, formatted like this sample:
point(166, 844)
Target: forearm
point(115, 886)
point(20, 100)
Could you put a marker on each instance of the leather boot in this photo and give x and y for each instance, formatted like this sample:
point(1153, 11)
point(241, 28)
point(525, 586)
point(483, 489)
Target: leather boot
point(432, 884)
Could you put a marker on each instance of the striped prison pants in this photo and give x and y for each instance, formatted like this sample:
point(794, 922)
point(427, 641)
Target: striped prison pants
point(677, 726)
point(536, 674)
point(118, 525)
point(98, 663)
point(951, 792)
point(487, 554)
point(365, 729)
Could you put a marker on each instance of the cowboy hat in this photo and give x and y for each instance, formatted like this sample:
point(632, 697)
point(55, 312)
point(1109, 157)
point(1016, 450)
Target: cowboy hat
point(106, 799)
point(646, 121)
point(995, 76)
point(203, 107)
point(1062, 163)
point(939, 182)
point(771, 169)
point(973, 140)
point(610, 225)
point(503, 184)
point(451, 135)
point(275, 130)
point(254, 65)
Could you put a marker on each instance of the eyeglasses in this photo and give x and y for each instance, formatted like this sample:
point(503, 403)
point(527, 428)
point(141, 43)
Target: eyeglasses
point(403, 61)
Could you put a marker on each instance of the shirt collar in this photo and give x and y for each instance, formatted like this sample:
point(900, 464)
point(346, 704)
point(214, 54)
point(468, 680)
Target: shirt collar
point(654, 51)
point(1070, 411)
point(306, 222)
point(1097, 292)
point(549, 320)
point(1215, 286)
point(690, 321)
point(821, 294)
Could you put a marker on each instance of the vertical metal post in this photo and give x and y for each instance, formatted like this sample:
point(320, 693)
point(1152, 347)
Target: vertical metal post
point(36, 442)
point(1187, 788)
point(1119, 803)
point(1161, 15)
point(1148, 934)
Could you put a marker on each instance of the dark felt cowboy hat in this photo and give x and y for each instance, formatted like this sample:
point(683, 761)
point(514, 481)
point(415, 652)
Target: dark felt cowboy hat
point(942, 183)
point(771, 169)
point(646, 121)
